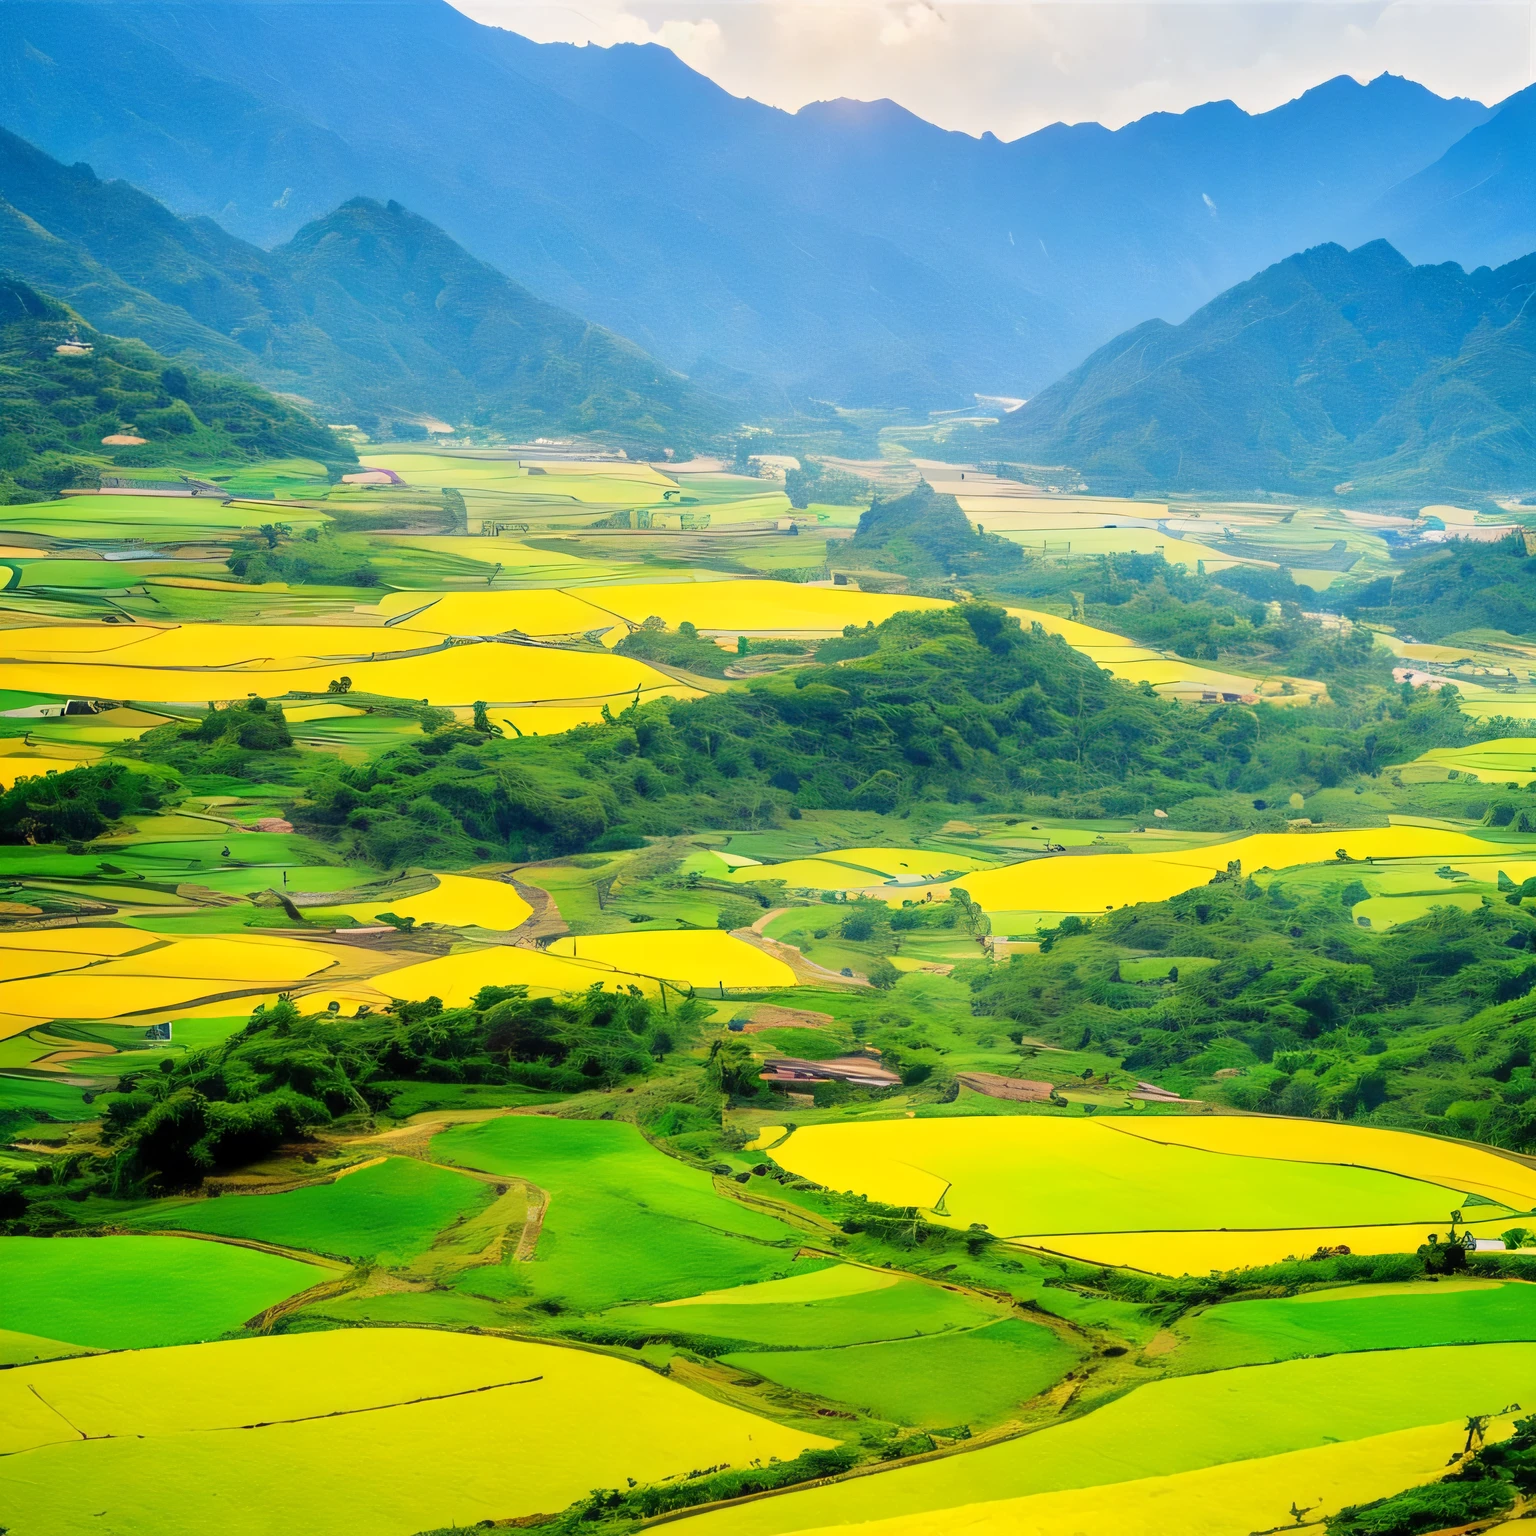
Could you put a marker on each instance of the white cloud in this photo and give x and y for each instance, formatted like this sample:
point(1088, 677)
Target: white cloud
point(913, 23)
point(1015, 66)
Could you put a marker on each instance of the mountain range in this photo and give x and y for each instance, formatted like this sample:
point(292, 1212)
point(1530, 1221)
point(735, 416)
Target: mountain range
point(369, 311)
point(1353, 372)
point(849, 251)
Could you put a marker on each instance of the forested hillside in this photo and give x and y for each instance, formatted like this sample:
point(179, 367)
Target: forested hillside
point(64, 387)
point(1335, 371)
point(909, 265)
point(371, 311)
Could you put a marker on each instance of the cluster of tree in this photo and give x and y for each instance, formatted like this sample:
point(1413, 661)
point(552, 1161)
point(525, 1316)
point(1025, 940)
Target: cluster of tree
point(1440, 591)
point(317, 559)
point(242, 741)
point(64, 387)
point(951, 705)
point(1492, 1479)
point(925, 534)
point(1289, 1007)
point(814, 482)
point(1228, 616)
point(682, 647)
point(650, 1499)
point(76, 806)
point(287, 1072)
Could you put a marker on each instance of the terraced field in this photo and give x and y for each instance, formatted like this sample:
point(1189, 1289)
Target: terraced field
point(388, 1147)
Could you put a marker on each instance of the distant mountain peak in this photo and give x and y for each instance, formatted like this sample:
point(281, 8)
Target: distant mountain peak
point(1330, 366)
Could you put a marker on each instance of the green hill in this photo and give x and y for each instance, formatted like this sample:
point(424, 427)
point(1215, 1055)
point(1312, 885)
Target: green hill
point(64, 387)
point(370, 311)
point(1333, 371)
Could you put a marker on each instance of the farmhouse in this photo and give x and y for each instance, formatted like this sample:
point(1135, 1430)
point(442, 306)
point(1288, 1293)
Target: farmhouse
point(787, 1072)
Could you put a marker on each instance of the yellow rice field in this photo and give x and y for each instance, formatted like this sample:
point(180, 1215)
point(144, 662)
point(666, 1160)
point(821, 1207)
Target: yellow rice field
point(539, 612)
point(1507, 760)
point(754, 607)
point(1475, 1169)
point(461, 901)
point(1079, 883)
point(311, 1431)
point(79, 941)
point(1234, 1499)
point(456, 978)
point(169, 975)
point(857, 868)
point(499, 674)
point(1172, 1196)
point(1198, 1253)
point(701, 958)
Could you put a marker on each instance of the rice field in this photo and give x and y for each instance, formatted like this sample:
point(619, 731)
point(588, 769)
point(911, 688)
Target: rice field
point(140, 1292)
point(458, 901)
point(1235, 1499)
point(838, 1305)
point(625, 1223)
point(977, 1376)
point(1079, 884)
point(1225, 1419)
point(1163, 1194)
point(311, 1431)
point(703, 958)
point(1366, 1317)
point(387, 1213)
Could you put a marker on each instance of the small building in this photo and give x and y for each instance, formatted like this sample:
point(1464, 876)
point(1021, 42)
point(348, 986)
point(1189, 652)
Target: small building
point(1022, 1090)
point(786, 1072)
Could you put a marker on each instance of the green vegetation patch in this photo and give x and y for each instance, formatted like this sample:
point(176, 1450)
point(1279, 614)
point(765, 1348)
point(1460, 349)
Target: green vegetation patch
point(140, 1292)
point(1166, 1427)
point(625, 1222)
point(1367, 1317)
point(389, 1212)
point(899, 1309)
point(964, 1378)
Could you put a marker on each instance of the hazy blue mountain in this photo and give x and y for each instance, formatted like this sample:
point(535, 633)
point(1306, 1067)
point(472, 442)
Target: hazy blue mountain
point(368, 311)
point(1333, 369)
point(408, 311)
point(1477, 203)
point(850, 250)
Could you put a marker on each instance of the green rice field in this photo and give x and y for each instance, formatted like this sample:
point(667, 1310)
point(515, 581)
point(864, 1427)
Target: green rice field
point(387, 1213)
point(140, 1292)
point(624, 1222)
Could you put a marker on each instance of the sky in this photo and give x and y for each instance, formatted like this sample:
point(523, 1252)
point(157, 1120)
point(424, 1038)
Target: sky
point(1012, 68)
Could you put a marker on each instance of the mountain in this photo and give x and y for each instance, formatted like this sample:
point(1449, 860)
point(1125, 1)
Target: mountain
point(850, 251)
point(407, 312)
point(1477, 202)
point(369, 311)
point(1332, 370)
point(65, 387)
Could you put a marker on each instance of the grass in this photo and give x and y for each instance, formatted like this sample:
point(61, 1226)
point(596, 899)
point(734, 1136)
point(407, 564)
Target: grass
point(975, 1377)
point(1034, 1175)
point(625, 1222)
point(886, 1307)
point(140, 1292)
point(1232, 1500)
point(389, 1212)
point(1364, 1317)
point(1169, 1427)
point(353, 1432)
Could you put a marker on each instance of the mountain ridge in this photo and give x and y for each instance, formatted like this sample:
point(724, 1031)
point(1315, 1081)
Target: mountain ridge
point(1330, 371)
point(194, 291)
point(901, 264)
